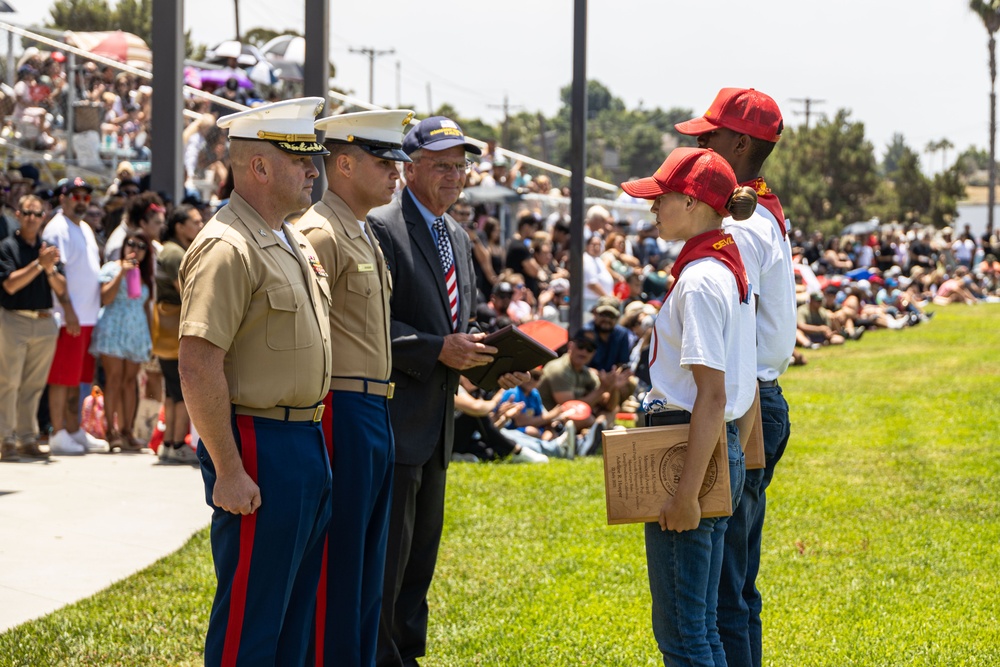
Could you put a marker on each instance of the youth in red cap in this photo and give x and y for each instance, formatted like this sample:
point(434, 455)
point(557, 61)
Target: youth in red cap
point(699, 173)
point(701, 368)
point(742, 110)
point(743, 126)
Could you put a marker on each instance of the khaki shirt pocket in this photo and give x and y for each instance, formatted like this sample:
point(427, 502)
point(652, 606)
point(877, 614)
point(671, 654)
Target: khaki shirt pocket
point(288, 325)
point(364, 292)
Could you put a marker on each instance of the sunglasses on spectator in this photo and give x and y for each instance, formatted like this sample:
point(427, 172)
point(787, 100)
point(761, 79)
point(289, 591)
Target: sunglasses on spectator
point(26, 213)
point(586, 346)
point(81, 196)
point(138, 245)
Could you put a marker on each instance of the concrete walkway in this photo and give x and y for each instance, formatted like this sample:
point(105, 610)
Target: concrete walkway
point(74, 525)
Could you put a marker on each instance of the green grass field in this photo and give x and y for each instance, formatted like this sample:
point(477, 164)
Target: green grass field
point(882, 545)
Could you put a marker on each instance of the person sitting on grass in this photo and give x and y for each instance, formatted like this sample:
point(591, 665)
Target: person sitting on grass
point(570, 378)
point(477, 431)
point(532, 419)
point(955, 289)
point(815, 328)
point(840, 319)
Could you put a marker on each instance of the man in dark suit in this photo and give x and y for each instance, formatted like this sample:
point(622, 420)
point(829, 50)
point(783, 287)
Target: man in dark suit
point(434, 293)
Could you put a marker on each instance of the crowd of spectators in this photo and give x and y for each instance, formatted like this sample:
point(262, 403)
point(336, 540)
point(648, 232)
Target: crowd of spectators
point(847, 285)
point(118, 249)
point(112, 114)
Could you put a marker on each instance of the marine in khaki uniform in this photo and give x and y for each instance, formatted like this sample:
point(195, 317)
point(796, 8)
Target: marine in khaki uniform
point(361, 174)
point(254, 349)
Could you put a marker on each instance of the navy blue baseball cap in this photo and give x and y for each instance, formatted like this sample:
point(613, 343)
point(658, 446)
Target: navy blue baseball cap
point(437, 133)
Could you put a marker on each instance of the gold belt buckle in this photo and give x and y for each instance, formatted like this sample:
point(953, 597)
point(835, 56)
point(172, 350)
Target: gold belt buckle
point(318, 412)
point(392, 390)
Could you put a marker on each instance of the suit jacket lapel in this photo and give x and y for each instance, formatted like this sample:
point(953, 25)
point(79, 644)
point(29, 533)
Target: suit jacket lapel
point(422, 238)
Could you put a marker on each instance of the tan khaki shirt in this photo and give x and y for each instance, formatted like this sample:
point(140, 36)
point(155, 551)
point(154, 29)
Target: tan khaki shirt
point(244, 291)
point(360, 284)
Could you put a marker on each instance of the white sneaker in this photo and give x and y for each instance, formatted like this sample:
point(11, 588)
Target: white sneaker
point(89, 442)
point(528, 455)
point(63, 444)
point(165, 453)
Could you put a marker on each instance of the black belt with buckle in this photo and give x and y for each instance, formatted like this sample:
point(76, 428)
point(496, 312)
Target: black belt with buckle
point(668, 418)
point(767, 383)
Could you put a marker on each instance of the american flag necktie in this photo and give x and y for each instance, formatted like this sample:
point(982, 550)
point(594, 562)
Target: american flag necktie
point(448, 268)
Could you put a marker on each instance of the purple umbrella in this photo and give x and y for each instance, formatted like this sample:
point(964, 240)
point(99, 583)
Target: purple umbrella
point(216, 78)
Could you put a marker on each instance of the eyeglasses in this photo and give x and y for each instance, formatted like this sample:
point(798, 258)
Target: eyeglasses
point(138, 245)
point(81, 196)
point(444, 168)
point(586, 347)
point(37, 214)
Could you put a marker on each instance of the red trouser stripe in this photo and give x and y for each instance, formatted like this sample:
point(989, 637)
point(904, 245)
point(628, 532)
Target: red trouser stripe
point(248, 525)
point(320, 629)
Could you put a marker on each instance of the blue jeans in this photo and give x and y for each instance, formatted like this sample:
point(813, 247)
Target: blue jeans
point(739, 599)
point(684, 573)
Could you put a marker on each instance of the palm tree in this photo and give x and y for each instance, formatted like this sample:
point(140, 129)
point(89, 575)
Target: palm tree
point(944, 146)
point(989, 12)
point(931, 149)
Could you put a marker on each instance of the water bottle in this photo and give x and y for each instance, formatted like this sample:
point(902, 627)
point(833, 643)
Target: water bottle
point(133, 282)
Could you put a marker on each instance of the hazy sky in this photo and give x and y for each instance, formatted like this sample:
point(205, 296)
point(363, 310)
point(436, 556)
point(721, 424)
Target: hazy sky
point(919, 68)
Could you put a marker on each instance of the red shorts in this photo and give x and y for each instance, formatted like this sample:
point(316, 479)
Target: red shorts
point(73, 362)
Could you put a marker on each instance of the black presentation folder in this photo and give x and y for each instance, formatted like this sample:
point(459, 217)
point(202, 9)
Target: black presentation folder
point(516, 351)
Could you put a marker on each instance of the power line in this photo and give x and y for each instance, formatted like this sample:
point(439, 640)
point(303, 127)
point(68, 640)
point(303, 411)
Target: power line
point(505, 136)
point(372, 53)
point(808, 102)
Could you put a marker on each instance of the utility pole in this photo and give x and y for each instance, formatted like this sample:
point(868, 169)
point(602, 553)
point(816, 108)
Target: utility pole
point(505, 133)
point(578, 163)
point(399, 85)
point(430, 105)
point(237, 4)
point(808, 102)
point(372, 54)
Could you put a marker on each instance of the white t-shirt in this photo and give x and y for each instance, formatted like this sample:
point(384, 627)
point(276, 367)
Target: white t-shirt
point(594, 271)
point(964, 249)
point(280, 233)
point(768, 261)
point(866, 256)
point(81, 257)
point(113, 246)
point(703, 323)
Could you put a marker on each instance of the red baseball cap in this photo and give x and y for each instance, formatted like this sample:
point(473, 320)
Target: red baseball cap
point(742, 110)
point(698, 172)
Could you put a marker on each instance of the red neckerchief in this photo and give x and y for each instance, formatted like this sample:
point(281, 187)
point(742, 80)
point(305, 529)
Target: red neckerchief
point(718, 245)
point(769, 200)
